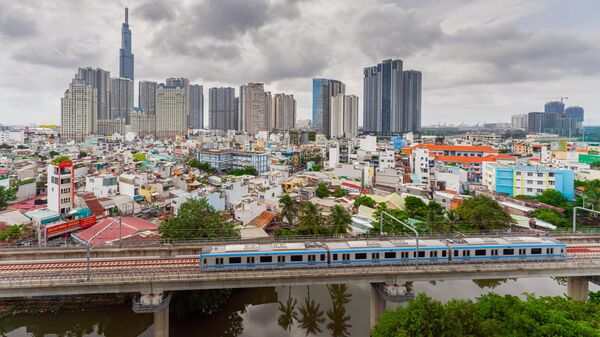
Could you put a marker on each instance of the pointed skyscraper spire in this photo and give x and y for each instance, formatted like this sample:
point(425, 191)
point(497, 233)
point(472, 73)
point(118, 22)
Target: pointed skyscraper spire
point(126, 16)
point(125, 55)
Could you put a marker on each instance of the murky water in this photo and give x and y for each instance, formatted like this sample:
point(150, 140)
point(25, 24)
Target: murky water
point(335, 310)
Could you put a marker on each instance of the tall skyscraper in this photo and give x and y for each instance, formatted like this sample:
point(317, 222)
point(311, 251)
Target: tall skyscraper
point(392, 98)
point(411, 108)
point(125, 55)
point(121, 98)
point(323, 90)
point(185, 83)
point(554, 106)
point(100, 80)
point(196, 107)
point(575, 112)
point(254, 107)
point(222, 111)
point(269, 115)
point(344, 116)
point(78, 111)
point(147, 97)
point(519, 121)
point(171, 116)
point(284, 111)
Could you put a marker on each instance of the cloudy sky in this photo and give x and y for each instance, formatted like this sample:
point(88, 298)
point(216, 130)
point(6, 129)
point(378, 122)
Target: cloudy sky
point(481, 60)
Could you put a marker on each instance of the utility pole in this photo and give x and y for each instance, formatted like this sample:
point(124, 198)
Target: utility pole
point(575, 215)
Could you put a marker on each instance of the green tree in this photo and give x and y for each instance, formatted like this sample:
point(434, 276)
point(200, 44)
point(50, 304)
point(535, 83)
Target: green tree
point(197, 219)
point(592, 194)
point(339, 192)
point(415, 207)
point(322, 190)
point(82, 154)
point(554, 198)
point(246, 170)
point(311, 218)
point(389, 226)
point(11, 233)
point(483, 213)
point(339, 220)
point(289, 209)
point(53, 154)
point(552, 216)
point(6, 196)
point(364, 200)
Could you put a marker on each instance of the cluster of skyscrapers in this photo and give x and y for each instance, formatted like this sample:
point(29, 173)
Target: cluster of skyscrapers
point(555, 119)
point(97, 104)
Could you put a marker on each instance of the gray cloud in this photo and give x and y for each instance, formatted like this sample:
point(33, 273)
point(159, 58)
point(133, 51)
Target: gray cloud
point(156, 11)
point(224, 19)
point(15, 23)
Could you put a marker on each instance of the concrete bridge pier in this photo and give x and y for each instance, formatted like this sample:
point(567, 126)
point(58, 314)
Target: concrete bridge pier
point(158, 304)
point(577, 287)
point(378, 305)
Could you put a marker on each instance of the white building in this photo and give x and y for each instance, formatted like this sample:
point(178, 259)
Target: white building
point(519, 121)
point(12, 136)
point(129, 184)
point(78, 111)
point(61, 189)
point(344, 116)
point(102, 186)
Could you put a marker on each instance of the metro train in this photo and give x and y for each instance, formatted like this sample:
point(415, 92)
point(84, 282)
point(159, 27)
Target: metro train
point(373, 252)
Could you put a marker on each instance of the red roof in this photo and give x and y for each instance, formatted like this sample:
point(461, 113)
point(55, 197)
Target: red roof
point(107, 230)
point(463, 148)
point(264, 219)
point(351, 185)
point(459, 159)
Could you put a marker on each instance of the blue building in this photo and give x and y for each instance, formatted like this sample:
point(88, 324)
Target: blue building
point(323, 90)
point(528, 180)
point(125, 55)
point(574, 112)
point(554, 106)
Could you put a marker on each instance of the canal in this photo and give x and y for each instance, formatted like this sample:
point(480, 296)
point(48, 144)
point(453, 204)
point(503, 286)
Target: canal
point(334, 310)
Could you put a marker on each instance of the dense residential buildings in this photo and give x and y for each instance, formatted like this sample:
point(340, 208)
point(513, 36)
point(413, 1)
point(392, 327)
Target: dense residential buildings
point(171, 111)
point(255, 107)
point(147, 97)
point(323, 90)
point(391, 99)
point(284, 111)
point(196, 107)
point(125, 55)
point(78, 111)
point(222, 111)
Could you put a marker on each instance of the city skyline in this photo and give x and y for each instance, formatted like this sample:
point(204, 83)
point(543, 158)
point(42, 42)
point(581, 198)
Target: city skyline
point(485, 84)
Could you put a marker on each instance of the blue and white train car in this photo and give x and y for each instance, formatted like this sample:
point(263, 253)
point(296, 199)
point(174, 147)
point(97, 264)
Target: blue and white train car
point(244, 256)
point(506, 248)
point(388, 251)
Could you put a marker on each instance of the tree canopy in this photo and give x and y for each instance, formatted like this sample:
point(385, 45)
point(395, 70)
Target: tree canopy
point(311, 218)
point(289, 209)
point(554, 198)
point(6, 196)
point(481, 212)
point(491, 315)
point(197, 219)
point(339, 192)
point(246, 170)
point(339, 220)
point(202, 166)
point(364, 200)
point(322, 190)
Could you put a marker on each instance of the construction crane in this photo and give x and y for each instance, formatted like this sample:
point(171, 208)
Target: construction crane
point(561, 98)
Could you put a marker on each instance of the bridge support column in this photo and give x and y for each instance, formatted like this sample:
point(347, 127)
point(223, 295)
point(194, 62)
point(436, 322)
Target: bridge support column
point(377, 305)
point(158, 304)
point(577, 288)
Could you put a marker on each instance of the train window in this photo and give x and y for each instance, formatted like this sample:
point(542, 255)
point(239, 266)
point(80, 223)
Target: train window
point(295, 258)
point(250, 259)
point(375, 256)
point(312, 258)
point(495, 252)
point(266, 259)
point(219, 260)
point(421, 254)
point(360, 256)
point(536, 251)
point(281, 258)
point(322, 257)
point(345, 257)
point(443, 253)
point(480, 252)
point(433, 254)
point(550, 251)
point(522, 251)
point(335, 257)
point(456, 253)
point(466, 253)
point(235, 260)
point(390, 255)
point(204, 261)
point(404, 255)
point(508, 251)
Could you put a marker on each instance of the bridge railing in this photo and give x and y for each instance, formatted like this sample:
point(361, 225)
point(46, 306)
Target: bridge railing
point(304, 238)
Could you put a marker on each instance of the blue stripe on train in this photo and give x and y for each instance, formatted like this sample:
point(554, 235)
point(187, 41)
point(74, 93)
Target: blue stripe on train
point(279, 264)
point(304, 252)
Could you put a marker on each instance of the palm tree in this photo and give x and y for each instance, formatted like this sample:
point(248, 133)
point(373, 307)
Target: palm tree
point(452, 222)
point(288, 312)
point(289, 209)
point(311, 218)
point(311, 316)
point(339, 219)
point(339, 324)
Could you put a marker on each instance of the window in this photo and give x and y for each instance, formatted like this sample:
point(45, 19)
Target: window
point(444, 253)
point(375, 256)
point(530, 190)
point(529, 174)
point(345, 257)
point(433, 254)
point(494, 252)
point(389, 255)
point(549, 250)
point(250, 260)
point(456, 253)
point(466, 253)
point(480, 252)
point(235, 260)
point(540, 182)
point(322, 257)
point(312, 258)
point(530, 181)
point(204, 261)
point(540, 175)
point(536, 251)
point(296, 258)
point(522, 251)
point(361, 256)
point(266, 259)
point(421, 253)
point(219, 260)
point(404, 255)
point(334, 257)
point(281, 258)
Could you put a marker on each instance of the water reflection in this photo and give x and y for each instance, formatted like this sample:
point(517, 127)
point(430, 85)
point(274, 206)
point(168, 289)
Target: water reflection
point(310, 315)
point(339, 321)
point(287, 312)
